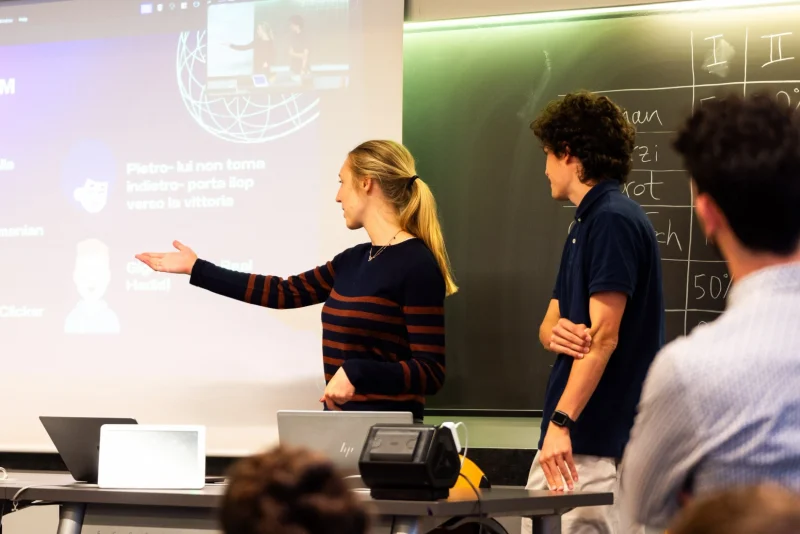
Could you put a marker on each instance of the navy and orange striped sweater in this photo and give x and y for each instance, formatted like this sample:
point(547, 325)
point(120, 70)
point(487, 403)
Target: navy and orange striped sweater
point(383, 320)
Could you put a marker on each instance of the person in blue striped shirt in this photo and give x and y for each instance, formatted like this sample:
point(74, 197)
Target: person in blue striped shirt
point(721, 407)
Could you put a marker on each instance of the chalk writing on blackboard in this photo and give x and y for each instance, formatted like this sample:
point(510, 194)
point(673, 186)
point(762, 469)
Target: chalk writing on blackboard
point(719, 56)
point(776, 48)
point(645, 154)
point(791, 101)
point(636, 187)
point(639, 117)
point(705, 283)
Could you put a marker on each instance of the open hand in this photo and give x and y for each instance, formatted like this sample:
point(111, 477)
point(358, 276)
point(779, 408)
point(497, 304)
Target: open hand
point(570, 339)
point(338, 391)
point(180, 262)
point(556, 460)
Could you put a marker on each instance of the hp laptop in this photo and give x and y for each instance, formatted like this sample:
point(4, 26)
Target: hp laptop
point(338, 435)
point(77, 440)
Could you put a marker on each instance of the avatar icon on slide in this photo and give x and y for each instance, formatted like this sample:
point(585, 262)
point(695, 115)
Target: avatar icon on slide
point(88, 174)
point(92, 276)
point(92, 195)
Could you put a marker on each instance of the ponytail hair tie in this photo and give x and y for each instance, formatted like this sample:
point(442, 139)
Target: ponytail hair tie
point(412, 180)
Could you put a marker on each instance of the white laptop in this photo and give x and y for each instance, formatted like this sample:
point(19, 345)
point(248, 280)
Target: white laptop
point(152, 457)
point(338, 435)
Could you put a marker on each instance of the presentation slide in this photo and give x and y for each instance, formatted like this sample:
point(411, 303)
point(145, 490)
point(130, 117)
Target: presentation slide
point(126, 125)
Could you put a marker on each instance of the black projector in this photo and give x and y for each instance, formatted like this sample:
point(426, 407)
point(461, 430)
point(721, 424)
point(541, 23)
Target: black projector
point(409, 462)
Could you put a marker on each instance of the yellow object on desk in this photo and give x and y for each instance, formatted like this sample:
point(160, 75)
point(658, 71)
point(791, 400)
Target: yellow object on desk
point(471, 472)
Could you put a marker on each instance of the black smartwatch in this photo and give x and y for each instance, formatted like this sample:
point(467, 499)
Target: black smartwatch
point(562, 419)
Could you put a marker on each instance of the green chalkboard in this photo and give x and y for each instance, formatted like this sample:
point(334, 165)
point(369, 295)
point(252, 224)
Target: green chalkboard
point(469, 96)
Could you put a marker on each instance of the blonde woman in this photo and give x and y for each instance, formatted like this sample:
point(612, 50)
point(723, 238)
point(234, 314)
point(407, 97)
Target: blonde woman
point(383, 341)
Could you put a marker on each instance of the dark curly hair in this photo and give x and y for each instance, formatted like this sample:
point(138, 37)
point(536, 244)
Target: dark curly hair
point(745, 154)
point(591, 128)
point(290, 491)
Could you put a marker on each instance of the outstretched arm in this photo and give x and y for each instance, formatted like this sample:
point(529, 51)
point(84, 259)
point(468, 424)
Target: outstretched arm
point(305, 289)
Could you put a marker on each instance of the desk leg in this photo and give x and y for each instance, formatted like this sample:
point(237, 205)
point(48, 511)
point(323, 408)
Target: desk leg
point(546, 524)
point(70, 518)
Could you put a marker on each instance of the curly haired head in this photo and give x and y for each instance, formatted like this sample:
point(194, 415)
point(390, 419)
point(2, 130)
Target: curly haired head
point(592, 129)
point(290, 491)
point(745, 155)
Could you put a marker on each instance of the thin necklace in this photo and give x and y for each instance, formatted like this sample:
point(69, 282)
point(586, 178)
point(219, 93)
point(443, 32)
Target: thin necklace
point(371, 257)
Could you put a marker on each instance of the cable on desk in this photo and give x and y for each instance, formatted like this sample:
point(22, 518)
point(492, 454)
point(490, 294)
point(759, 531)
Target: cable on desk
point(15, 499)
point(477, 493)
point(483, 522)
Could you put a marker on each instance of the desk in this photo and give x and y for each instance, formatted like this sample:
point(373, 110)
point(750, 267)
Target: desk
point(86, 509)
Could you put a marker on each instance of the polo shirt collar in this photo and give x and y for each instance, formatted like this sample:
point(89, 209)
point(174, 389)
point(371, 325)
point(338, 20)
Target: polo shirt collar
point(596, 192)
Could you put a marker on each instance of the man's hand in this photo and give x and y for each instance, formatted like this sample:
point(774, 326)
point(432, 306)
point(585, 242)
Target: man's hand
point(570, 339)
point(338, 391)
point(556, 460)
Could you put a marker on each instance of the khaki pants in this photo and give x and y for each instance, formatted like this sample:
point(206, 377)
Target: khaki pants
point(594, 474)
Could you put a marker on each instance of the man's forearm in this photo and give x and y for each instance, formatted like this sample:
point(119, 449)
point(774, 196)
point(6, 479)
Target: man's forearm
point(584, 377)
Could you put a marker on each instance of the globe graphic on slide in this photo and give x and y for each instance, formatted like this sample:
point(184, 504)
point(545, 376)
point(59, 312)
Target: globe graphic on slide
point(245, 118)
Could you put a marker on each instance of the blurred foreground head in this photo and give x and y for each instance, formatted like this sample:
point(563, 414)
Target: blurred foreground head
point(290, 491)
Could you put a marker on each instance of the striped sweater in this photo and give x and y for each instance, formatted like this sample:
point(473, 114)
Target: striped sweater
point(383, 320)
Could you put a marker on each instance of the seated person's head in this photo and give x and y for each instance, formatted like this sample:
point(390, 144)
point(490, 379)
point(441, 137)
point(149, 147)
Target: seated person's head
point(763, 509)
point(290, 491)
point(743, 155)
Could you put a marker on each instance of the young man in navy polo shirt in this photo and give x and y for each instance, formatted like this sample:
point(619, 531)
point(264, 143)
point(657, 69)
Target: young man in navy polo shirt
point(606, 318)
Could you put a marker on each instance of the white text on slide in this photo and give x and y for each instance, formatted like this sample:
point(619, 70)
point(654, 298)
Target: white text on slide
point(190, 192)
point(147, 169)
point(151, 286)
point(8, 86)
point(22, 231)
point(160, 284)
point(9, 311)
point(190, 186)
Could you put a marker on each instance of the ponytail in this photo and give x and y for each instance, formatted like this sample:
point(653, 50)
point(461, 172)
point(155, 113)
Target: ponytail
point(392, 165)
point(420, 218)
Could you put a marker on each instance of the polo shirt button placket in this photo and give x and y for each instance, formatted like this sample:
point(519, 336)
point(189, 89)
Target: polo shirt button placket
point(574, 239)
